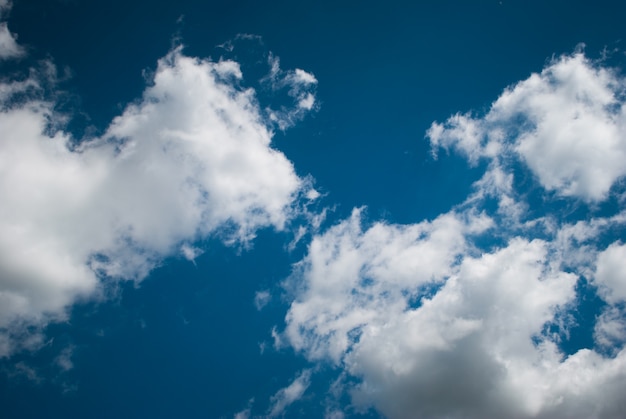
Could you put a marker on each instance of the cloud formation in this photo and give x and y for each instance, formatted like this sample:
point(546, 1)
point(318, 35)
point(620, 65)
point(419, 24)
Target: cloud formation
point(355, 278)
point(300, 87)
point(468, 315)
point(288, 395)
point(191, 158)
point(567, 124)
point(611, 273)
point(9, 47)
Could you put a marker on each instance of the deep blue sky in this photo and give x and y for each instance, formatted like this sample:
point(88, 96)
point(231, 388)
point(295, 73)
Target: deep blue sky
point(188, 340)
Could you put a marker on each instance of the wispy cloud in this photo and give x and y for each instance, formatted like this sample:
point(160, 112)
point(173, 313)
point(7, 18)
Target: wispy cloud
point(300, 86)
point(261, 299)
point(290, 394)
point(9, 48)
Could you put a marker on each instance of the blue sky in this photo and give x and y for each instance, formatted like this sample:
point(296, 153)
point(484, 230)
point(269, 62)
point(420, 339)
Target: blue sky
point(312, 209)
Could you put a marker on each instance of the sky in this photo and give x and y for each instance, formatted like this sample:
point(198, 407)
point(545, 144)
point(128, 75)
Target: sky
point(312, 209)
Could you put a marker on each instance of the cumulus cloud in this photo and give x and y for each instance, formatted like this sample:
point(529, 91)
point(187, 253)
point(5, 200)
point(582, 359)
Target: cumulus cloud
point(355, 278)
point(611, 273)
point(567, 124)
point(191, 158)
point(463, 352)
point(429, 333)
point(290, 394)
point(467, 315)
point(433, 328)
point(610, 329)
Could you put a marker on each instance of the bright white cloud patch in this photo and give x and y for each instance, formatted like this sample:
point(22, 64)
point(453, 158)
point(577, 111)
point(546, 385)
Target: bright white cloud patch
point(610, 329)
point(471, 344)
point(465, 316)
point(611, 273)
point(567, 123)
point(465, 348)
point(189, 252)
point(191, 158)
point(356, 279)
point(434, 329)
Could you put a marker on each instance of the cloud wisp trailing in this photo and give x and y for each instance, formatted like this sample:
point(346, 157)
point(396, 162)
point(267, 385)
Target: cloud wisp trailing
point(288, 395)
point(189, 159)
point(9, 48)
point(468, 315)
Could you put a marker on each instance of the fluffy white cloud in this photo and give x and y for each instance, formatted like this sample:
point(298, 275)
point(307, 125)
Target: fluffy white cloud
point(465, 316)
point(465, 350)
point(433, 331)
point(610, 278)
point(567, 123)
point(354, 278)
point(610, 329)
point(191, 158)
point(288, 395)
point(611, 273)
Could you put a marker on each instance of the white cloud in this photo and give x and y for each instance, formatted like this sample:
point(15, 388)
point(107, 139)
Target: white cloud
point(334, 414)
point(190, 252)
point(354, 278)
point(433, 324)
point(610, 278)
point(290, 394)
point(610, 329)
point(460, 132)
point(191, 158)
point(611, 273)
point(300, 86)
point(244, 414)
point(307, 102)
point(433, 330)
point(261, 299)
point(567, 123)
point(466, 349)
point(8, 45)
point(302, 77)
point(64, 359)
